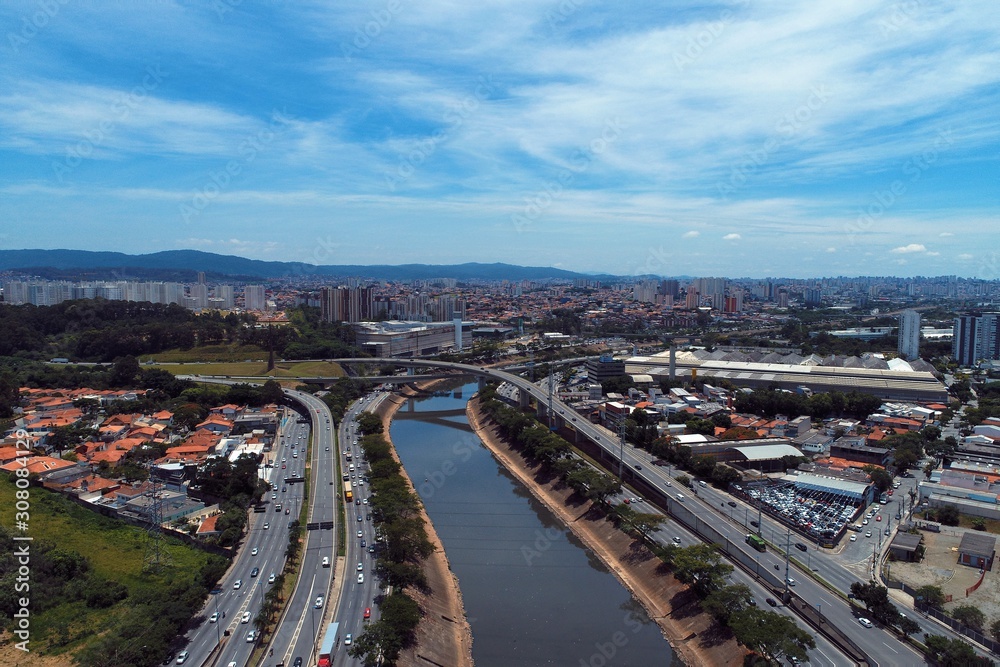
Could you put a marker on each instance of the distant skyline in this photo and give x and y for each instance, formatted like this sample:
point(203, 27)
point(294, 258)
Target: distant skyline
point(729, 139)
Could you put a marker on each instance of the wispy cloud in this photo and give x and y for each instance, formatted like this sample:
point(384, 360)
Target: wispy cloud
point(731, 237)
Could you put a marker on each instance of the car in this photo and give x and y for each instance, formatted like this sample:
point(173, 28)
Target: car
point(214, 617)
point(282, 466)
point(319, 602)
point(274, 496)
point(790, 581)
point(680, 497)
point(231, 663)
point(284, 460)
point(360, 519)
point(368, 613)
point(286, 510)
point(295, 455)
point(271, 579)
point(868, 533)
point(361, 578)
point(252, 636)
point(752, 602)
point(634, 499)
point(361, 566)
point(182, 657)
point(246, 617)
point(801, 547)
point(284, 488)
point(626, 501)
point(348, 638)
point(237, 584)
point(359, 534)
point(771, 602)
point(297, 662)
point(363, 544)
point(878, 517)
point(865, 622)
point(254, 572)
point(365, 501)
point(676, 539)
point(326, 561)
point(266, 525)
point(371, 549)
point(368, 516)
point(889, 492)
point(357, 501)
point(638, 467)
point(254, 551)
point(755, 524)
point(865, 521)
point(731, 503)
point(854, 538)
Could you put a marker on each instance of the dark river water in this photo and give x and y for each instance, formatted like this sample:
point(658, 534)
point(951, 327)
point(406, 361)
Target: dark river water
point(533, 593)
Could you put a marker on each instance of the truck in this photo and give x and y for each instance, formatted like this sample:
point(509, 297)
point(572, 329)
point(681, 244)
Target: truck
point(757, 542)
point(326, 648)
point(348, 492)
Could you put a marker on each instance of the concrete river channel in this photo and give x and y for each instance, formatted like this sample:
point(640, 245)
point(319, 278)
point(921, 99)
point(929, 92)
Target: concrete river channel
point(533, 593)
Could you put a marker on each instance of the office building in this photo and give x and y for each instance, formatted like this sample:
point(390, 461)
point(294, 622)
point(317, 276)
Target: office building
point(908, 340)
point(976, 338)
point(254, 297)
point(347, 304)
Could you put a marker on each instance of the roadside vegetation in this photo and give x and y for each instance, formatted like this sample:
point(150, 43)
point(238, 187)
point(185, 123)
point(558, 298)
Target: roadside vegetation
point(92, 599)
point(402, 547)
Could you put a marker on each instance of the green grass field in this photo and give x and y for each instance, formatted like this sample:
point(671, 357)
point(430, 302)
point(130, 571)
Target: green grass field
point(210, 353)
point(114, 549)
point(251, 368)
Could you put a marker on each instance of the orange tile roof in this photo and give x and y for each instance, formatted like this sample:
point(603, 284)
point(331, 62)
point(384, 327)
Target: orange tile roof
point(208, 525)
point(38, 464)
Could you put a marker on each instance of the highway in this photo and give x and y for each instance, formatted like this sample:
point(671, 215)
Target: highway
point(881, 646)
point(268, 534)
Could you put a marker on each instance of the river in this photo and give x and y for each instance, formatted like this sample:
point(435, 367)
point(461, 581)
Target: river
point(533, 593)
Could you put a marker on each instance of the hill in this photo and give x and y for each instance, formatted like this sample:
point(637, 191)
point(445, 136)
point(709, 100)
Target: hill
point(67, 263)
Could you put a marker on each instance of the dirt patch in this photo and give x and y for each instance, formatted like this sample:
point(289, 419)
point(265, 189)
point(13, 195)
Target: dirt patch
point(13, 657)
point(443, 635)
point(693, 634)
point(940, 567)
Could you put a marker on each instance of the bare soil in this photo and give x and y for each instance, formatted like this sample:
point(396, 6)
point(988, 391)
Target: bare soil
point(443, 636)
point(694, 635)
point(940, 567)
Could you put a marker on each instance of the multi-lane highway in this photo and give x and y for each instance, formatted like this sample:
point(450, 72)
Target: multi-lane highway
point(233, 606)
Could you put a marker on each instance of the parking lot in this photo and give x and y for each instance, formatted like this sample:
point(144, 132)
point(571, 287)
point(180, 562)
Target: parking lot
point(819, 514)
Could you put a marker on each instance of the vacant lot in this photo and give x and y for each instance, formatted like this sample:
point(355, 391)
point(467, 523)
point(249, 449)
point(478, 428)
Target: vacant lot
point(940, 567)
point(210, 353)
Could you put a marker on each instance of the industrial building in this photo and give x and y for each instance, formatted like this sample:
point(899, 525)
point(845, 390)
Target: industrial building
point(795, 373)
point(395, 338)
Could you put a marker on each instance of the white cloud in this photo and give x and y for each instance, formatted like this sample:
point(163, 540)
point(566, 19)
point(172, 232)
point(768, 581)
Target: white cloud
point(731, 237)
point(932, 254)
point(965, 257)
point(691, 234)
point(943, 234)
point(831, 249)
point(906, 249)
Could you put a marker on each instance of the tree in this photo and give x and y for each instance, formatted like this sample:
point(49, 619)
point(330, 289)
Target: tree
point(908, 626)
point(948, 515)
point(771, 634)
point(970, 616)
point(726, 601)
point(369, 423)
point(932, 596)
point(879, 477)
point(951, 652)
point(995, 629)
point(701, 565)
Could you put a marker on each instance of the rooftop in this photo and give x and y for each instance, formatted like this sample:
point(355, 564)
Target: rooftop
point(977, 544)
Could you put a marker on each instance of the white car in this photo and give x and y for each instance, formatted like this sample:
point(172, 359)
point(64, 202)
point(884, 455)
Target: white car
point(361, 578)
point(319, 602)
point(865, 622)
point(246, 617)
point(252, 636)
point(359, 535)
point(214, 617)
point(348, 639)
point(361, 567)
point(854, 538)
point(270, 579)
point(237, 584)
point(253, 552)
point(182, 657)
point(266, 525)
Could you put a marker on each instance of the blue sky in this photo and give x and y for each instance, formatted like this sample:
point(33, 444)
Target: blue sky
point(742, 139)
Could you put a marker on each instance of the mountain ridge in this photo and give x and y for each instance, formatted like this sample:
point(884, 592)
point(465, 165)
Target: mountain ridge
point(63, 260)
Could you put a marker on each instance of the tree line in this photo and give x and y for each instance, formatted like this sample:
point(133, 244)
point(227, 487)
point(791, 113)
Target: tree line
point(403, 547)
